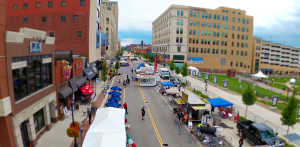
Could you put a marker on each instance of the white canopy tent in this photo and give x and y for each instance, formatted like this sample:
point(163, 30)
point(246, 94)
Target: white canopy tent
point(193, 70)
point(259, 75)
point(292, 81)
point(107, 129)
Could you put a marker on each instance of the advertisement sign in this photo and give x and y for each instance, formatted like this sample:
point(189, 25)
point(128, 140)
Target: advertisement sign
point(206, 76)
point(155, 65)
point(274, 100)
point(195, 60)
point(215, 80)
point(225, 83)
point(185, 97)
point(199, 75)
point(35, 47)
point(298, 111)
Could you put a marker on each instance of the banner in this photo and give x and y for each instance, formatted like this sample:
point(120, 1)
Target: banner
point(215, 80)
point(206, 76)
point(274, 100)
point(185, 97)
point(195, 60)
point(225, 83)
point(155, 65)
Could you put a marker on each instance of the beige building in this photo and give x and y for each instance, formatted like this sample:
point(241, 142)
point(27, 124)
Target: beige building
point(218, 38)
point(169, 33)
point(274, 58)
point(114, 8)
point(109, 28)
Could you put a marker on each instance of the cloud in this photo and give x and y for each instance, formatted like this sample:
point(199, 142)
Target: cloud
point(277, 19)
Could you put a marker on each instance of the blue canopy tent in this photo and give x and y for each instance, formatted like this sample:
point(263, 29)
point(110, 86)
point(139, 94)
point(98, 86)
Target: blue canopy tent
point(114, 93)
point(116, 88)
point(141, 65)
point(114, 99)
point(167, 84)
point(219, 102)
point(113, 104)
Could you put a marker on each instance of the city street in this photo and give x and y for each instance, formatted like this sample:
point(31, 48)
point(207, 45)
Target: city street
point(158, 126)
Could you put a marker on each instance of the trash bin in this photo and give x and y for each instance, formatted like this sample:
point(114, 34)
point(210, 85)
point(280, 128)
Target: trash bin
point(266, 83)
point(283, 88)
point(77, 107)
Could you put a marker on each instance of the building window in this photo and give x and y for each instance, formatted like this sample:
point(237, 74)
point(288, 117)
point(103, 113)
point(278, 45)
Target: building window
point(47, 79)
point(180, 40)
point(107, 20)
point(79, 34)
point(217, 51)
point(243, 21)
point(178, 12)
point(239, 20)
point(247, 21)
point(181, 13)
point(38, 119)
point(177, 31)
point(239, 13)
point(189, 49)
point(50, 4)
point(196, 49)
point(213, 51)
point(201, 50)
point(25, 6)
point(246, 29)
point(208, 50)
point(177, 21)
point(44, 19)
point(237, 53)
point(181, 22)
point(15, 7)
point(51, 34)
point(233, 19)
point(239, 28)
point(63, 18)
point(231, 63)
point(178, 49)
point(82, 2)
point(198, 14)
point(181, 31)
point(63, 3)
point(25, 20)
point(177, 39)
point(231, 52)
point(75, 17)
point(226, 18)
point(237, 64)
point(193, 50)
point(20, 84)
point(194, 14)
point(242, 53)
point(191, 14)
point(245, 53)
point(215, 16)
point(38, 5)
point(34, 74)
point(241, 64)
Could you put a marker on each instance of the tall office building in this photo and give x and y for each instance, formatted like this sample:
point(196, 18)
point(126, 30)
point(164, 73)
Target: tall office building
point(109, 28)
point(75, 25)
point(275, 58)
point(217, 39)
point(114, 8)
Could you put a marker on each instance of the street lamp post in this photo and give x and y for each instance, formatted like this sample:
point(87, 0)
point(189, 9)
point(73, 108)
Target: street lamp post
point(164, 58)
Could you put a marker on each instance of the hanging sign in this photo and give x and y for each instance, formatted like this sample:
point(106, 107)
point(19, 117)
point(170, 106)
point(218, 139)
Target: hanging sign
point(35, 47)
point(215, 80)
point(274, 100)
point(185, 97)
point(206, 76)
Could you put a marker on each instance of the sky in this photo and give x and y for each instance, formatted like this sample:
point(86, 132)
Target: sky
point(273, 19)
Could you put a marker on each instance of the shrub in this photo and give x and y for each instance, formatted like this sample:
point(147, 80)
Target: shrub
point(285, 143)
point(183, 84)
point(204, 96)
point(242, 118)
point(197, 92)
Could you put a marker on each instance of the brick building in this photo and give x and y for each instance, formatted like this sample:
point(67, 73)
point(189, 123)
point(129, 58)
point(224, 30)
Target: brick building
point(74, 24)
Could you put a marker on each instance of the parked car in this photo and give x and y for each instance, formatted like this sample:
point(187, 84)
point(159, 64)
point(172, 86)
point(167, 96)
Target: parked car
point(258, 133)
point(175, 81)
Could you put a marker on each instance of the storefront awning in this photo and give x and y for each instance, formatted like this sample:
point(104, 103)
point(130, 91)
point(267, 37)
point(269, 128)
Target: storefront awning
point(89, 72)
point(73, 84)
point(199, 107)
point(64, 93)
point(179, 101)
point(81, 82)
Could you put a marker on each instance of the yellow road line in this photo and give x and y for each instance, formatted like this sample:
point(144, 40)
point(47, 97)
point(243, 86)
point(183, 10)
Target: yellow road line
point(152, 120)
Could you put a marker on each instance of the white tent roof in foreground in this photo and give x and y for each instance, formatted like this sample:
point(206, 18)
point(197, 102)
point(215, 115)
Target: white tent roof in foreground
point(107, 129)
point(193, 68)
point(259, 75)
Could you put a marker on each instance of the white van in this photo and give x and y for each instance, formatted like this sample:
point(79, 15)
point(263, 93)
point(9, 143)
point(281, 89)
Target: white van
point(164, 73)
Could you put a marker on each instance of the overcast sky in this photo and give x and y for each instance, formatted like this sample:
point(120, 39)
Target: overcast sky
point(277, 19)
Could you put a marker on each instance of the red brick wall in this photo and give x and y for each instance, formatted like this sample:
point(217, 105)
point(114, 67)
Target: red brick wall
point(6, 133)
point(65, 33)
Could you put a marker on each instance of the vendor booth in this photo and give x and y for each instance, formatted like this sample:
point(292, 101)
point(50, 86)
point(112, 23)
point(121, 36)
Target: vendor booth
point(147, 79)
point(193, 70)
point(165, 86)
point(107, 129)
point(123, 63)
point(223, 105)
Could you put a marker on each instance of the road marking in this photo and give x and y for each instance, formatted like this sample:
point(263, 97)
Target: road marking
point(152, 120)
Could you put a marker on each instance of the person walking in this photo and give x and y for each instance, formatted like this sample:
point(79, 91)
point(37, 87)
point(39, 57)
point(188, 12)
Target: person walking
point(179, 88)
point(206, 87)
point(212, 109)
point(125, 107)
point(241, 142)
point(143, 112)
point(127, 76)
point(128, 81)
point(132, 71)
point(124, 83)
point(119, 82)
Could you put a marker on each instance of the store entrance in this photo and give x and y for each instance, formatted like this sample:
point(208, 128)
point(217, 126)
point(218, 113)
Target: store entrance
point(24, 134)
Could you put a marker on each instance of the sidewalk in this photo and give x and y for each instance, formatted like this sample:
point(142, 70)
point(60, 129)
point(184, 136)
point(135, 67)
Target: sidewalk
point(57, 135)
point(255, 109)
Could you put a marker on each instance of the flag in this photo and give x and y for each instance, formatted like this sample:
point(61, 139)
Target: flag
point(213, 69)
point(129, 141)
point(255, 92)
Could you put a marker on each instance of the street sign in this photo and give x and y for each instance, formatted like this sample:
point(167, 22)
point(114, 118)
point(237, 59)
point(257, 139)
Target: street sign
point(152, 54)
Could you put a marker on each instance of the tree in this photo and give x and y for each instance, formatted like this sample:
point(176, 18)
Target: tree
point(289, 113)
point(104, 72)
point(249, 97)
point(172, 65)
point(185, 71)
point(117, 66)
point(177, 70)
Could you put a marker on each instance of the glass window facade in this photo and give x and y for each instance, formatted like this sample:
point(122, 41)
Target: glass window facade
point(34, 77)
point(39, 121)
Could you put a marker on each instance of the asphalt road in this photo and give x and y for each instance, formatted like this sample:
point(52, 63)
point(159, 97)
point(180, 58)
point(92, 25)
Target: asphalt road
point(158, 126)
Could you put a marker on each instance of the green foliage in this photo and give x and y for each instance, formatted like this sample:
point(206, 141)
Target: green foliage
point(249, 97)
point(285, 143)
point(289, 113)
point(151, 58)
point(118, 58)
point(183, 84)
point(172, 65)
point(201, 94)
point(242, 118)
point(117, 66)
point(177, 70)
point(184, 71)
point(104, 71)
